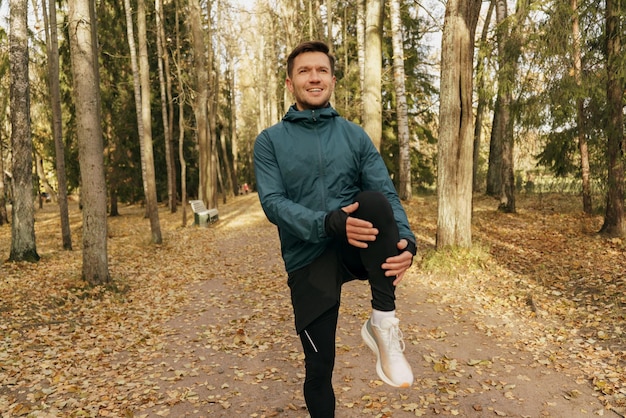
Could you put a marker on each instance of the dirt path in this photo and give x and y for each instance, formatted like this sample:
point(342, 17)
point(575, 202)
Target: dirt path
point(232, 349)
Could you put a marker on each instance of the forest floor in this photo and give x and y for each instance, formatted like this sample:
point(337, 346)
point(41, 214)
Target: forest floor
point(529, 323)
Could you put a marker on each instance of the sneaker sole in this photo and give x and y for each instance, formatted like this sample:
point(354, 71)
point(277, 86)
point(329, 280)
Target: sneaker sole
point(369, 341)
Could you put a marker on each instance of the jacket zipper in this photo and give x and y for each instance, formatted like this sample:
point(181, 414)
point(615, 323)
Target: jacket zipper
point(320, 159)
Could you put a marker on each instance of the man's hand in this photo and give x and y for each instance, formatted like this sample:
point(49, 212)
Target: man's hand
point(358, 231)
point(399, 264)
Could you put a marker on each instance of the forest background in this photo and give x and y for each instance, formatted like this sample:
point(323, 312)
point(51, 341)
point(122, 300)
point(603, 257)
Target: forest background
point(160, 102)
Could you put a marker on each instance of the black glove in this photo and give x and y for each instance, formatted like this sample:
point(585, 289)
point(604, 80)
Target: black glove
point(335, 224)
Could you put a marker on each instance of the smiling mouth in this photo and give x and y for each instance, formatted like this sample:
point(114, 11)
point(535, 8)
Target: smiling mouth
point(314, 90)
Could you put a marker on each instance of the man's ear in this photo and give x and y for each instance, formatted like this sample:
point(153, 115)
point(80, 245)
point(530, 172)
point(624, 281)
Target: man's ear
point(289, 84)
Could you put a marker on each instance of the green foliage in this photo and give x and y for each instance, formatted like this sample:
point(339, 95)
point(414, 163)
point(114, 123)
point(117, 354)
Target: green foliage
point(552, 109)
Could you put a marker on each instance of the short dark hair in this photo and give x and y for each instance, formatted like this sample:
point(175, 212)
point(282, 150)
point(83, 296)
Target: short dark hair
point(310, 46)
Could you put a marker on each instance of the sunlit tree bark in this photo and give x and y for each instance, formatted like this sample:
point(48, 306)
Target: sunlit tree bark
point(456, 125)
point(146, 116)
point(372, 95)
point(83, 49)
point(23, 246)
point(130, 33)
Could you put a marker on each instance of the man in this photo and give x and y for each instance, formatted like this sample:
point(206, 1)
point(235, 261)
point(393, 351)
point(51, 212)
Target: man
point(323, 183)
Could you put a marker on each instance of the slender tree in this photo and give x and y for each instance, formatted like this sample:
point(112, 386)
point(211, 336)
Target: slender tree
point(83, 50)
point(200, 106)
point(52, 48)
point(360, 41)
point(580, 110)
point(130, 34)
point(405, 190)
point(614, 224)
point(372, 96)
point(23, 246)
point(483, 95)
point(502, 131)
point(4, 102)
point(456, 125)
point(181, 118)
point(163, 66)
point(146, 117)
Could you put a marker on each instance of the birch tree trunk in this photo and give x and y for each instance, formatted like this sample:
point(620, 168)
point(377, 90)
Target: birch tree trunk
point(614, 224)
point(580, 112)
point(404, 143)
point(146, 116)
point(456, 118)
point(83, 51)
point(372, 95)
point(23, 246)
point(52, 47)
point(130, 32)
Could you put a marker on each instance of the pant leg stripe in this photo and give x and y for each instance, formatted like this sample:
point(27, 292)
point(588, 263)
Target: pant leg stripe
point(311, 341)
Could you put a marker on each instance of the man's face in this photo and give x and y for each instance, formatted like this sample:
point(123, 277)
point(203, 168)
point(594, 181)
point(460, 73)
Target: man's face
point(311, 81)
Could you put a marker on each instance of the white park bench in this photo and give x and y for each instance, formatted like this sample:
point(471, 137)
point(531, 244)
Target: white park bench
point(201, 215)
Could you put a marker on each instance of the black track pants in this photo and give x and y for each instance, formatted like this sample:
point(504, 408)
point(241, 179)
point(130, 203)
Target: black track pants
point(318, 336)
point(318, 342)
point(366, 262)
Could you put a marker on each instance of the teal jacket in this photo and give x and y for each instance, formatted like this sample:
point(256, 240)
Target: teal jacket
point(309, 164)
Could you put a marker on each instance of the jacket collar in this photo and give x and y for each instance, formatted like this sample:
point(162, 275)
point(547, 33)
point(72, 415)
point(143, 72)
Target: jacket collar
point(309, 115)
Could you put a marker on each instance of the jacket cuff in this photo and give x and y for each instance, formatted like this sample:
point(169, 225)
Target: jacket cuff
point(411, 247)
point(335, 223)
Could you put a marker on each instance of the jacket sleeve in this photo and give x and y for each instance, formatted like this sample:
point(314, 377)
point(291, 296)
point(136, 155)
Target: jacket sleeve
point(290, 217)
point(375, 176)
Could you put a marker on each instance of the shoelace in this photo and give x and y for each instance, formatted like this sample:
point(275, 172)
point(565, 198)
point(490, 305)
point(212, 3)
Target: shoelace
point(396, 339)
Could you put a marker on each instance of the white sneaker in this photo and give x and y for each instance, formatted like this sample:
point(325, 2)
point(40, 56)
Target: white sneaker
point(386, 342)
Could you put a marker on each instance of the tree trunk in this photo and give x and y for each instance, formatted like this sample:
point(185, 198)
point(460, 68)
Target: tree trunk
point(454, 173)
point(360, 41)
point(614, 224)
point(167, 132)
point(130, 32)
point(483, 98)
point(23, 247)
point(181, 123)
point(580, 112)
point(372, 96)
point(4, 218)
point(404, 143)
point(200, 106)
point(212, 185)
point(57, 120)
point(83, 50)
point(146, 116)
point(506, 78)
